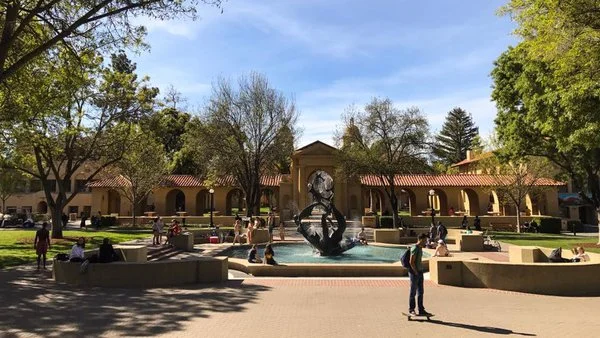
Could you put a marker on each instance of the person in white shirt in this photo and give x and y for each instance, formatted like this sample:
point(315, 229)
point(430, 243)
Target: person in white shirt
point(77, 252)
point(581, 255)
point(441, 250)
point(157, 229)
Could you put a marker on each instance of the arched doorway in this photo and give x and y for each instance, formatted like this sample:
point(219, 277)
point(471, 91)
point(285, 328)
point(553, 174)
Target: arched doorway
point(175, 202)
point(114, 202)
point(406, 203)
point(149, 205)
point(373, 201)
point(470, 202)
point(202, 202)
point(439, 201)
point(42, 207)
point(268, 200)
point(235, 203)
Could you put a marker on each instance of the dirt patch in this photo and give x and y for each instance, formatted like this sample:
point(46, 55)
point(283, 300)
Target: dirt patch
point(588, 245)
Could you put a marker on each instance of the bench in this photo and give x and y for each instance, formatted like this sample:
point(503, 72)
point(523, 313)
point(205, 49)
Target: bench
point(502, 227)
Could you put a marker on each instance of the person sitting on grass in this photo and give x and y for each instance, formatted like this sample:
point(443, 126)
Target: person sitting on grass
point(41, 244)
point(362, 236)
point(269, 255)
point(580, 255)
point(252, 256)
point(441, 250)
point(106, 252)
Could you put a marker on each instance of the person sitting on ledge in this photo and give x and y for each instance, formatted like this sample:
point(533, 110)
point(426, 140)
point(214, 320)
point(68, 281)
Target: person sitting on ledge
point(580, 255)
point(269, 254)
point(106, 252)
point(362, 236)
point(252, 255)
point(441, 250)
point(77, 251)
point(451, 211)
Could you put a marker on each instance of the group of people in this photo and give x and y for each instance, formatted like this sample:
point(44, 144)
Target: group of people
point(464, 224)
point(268, 255)
point(247, 230)
point(158, 231)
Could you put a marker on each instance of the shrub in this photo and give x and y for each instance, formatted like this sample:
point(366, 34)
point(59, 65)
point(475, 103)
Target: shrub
point(386, 222)
point(108, 221)
point(549, 225)
point(575, 223)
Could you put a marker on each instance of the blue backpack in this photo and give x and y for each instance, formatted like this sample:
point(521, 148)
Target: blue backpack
point(405, 259)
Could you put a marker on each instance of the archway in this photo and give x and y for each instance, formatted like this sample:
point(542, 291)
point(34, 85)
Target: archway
point(202, 202)
point(470, 202)
point(536, 203)
point(439, 200)
point(42, 207)
point(407, 200)
point(235, 203)
point(373, 201)
point(268, 200)
point(149, 205)
point(114, 202)
point(175, 202)
point(494, 207)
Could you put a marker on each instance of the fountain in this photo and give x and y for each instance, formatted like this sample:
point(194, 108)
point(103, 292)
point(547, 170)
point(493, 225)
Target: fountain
point(329, 239)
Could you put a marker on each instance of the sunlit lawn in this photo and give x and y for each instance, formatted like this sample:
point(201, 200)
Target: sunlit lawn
point(549, 240)
point(16, 246)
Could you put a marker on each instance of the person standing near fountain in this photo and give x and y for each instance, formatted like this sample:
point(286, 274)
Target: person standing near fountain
point(415, 272)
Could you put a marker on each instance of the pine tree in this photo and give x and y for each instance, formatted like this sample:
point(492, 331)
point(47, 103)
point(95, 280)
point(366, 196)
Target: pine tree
point(456, 137)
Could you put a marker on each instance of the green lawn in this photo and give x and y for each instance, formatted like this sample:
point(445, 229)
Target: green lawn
point(16, 246)
point(549, 240)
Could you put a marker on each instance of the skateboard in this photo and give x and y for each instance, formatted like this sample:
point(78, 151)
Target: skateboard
point(409, 316)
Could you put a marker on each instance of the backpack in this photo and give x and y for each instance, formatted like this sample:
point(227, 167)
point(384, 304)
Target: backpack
point(405, 259)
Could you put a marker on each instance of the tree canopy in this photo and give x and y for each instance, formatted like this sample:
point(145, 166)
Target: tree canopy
point(456, 137)
point(383, 140)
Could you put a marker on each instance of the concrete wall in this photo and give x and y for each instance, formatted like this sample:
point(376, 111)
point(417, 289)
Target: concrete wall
point(561, 279)
point(144, 275)
point(452, 221)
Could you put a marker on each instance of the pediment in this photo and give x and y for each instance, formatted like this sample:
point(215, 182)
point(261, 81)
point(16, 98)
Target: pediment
point(316, 148)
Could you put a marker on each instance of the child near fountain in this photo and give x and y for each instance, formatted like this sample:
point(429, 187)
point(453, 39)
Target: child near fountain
point(281, 231)
point(362, 236)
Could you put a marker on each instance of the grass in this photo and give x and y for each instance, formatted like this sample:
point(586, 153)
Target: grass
point(549, 240)
point(16, 246)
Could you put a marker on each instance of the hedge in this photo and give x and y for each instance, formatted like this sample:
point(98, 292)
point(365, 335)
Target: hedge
point(108, 221)
point(575, 223)
point(549, 225)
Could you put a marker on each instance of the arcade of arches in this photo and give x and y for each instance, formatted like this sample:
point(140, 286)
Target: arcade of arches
point(453, 193)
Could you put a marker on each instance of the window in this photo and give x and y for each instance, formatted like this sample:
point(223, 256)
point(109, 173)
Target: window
point(67, 185)
point(73, 209)
point(51, 185)
point(35, 186)
point(81, 186)
point(26, 210)
point(11, 210)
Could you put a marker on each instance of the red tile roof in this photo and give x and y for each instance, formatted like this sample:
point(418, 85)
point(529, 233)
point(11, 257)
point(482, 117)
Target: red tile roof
point(475, 159)
point(447, 180)
point(181, 181)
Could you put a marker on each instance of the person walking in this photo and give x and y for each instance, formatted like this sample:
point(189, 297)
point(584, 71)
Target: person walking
point(41, 243)
point(415, 272)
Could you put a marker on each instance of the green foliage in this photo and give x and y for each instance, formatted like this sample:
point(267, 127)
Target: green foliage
point(549, 225)
point(36, 29)
point(546, 240)
point(456, 137)
point(108, 221)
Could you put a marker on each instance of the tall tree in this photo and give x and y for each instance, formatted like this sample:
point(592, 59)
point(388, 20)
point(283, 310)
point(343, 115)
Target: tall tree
point(241, 133)
point(68, 122)
point(456, 137)
point(30, 29)
point(384, 141)
point(143, 166)
point(538, 115)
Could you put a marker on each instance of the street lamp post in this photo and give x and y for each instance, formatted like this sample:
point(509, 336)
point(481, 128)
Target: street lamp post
point(431, 194)
point(212, 205)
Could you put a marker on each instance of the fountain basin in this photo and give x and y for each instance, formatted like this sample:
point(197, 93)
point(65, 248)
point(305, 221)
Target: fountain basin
point(298, 260)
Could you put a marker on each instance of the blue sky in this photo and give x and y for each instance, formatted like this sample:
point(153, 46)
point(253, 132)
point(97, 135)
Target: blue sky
point(433, 54)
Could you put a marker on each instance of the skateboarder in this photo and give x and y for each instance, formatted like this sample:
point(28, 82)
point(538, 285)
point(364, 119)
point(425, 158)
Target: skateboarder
point(415, 272)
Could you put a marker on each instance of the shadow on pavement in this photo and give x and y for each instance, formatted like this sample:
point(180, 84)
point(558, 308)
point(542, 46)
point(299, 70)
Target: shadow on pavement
point(33, 303)
point(484, 329)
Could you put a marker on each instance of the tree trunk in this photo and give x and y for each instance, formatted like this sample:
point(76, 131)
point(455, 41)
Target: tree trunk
point(598, 218)
point(133, 206)
point(518, 218)
point(3, 205)
point(57, 226)
point(394, 203)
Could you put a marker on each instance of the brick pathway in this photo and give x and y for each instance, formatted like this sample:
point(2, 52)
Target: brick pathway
point(33, 306)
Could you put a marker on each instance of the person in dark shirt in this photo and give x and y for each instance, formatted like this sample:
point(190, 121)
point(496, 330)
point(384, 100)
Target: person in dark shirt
point(41, 244)
point(269, 255)
point(106, 252)
point(252, 255)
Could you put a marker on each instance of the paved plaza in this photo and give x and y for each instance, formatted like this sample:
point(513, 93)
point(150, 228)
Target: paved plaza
point(34, 306)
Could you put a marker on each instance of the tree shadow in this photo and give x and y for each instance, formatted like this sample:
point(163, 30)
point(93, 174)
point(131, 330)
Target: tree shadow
point(483, 329)
point(33, 303)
